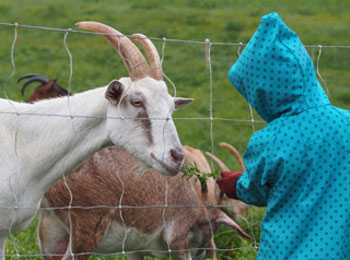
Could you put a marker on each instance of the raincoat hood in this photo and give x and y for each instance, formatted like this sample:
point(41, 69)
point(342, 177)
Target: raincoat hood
point(275, 73)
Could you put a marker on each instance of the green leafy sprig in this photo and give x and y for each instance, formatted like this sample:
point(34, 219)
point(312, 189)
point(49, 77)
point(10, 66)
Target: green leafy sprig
point(191, 170)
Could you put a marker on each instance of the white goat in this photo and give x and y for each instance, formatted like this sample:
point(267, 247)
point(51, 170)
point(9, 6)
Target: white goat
point(189, 224)
point(37, 148)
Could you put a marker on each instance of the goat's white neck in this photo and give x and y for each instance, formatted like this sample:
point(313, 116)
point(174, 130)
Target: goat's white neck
point(76, 139)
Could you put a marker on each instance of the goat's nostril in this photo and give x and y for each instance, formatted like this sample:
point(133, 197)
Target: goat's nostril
point(177, 155)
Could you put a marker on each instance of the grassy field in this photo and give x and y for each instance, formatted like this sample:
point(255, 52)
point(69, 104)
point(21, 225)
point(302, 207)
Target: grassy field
point(95, 64)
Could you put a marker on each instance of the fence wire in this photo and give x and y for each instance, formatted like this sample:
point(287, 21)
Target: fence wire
point(73, 117)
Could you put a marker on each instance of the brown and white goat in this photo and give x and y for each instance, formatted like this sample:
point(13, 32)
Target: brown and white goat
point(47, 89)
point(43, 141)
point(139, 228)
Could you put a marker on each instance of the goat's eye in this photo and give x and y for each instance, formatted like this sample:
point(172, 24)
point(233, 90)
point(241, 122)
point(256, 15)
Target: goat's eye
point(136, 103)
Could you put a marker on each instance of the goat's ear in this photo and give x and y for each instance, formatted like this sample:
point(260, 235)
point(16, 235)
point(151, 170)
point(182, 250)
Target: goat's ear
point(114, 91)
point(227, 221)
point(182, 102)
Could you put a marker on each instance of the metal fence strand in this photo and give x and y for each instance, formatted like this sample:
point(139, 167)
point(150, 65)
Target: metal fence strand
point(208, 44)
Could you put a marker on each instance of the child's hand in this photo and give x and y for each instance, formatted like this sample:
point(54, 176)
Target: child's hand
point(228, 183)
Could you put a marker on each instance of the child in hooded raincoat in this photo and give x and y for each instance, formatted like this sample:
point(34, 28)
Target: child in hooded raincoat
point(299, 164)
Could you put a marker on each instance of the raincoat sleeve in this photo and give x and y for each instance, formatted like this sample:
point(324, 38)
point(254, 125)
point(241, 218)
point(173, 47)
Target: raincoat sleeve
point(261, 171)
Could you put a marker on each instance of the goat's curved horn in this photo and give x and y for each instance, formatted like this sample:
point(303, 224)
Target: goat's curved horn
point(32, 78)
point(132, 57)
point(236, 154)
point(151, 53)
point(222, 166)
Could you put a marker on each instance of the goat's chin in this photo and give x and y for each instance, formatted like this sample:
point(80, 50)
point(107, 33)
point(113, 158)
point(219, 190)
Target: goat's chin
point(164, 167)
point(166, 170)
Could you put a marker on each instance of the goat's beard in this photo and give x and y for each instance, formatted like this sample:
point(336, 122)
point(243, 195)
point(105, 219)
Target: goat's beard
point(139, 169)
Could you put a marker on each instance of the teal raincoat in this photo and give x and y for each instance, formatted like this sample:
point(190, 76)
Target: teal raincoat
point(299, 164)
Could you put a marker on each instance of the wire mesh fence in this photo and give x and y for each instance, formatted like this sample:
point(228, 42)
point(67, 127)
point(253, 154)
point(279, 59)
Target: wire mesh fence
point(213, 124)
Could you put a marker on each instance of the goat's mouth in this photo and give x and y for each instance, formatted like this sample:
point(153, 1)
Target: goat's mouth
point(172, 170)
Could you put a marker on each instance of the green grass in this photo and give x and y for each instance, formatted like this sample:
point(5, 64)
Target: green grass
point(95, 64)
